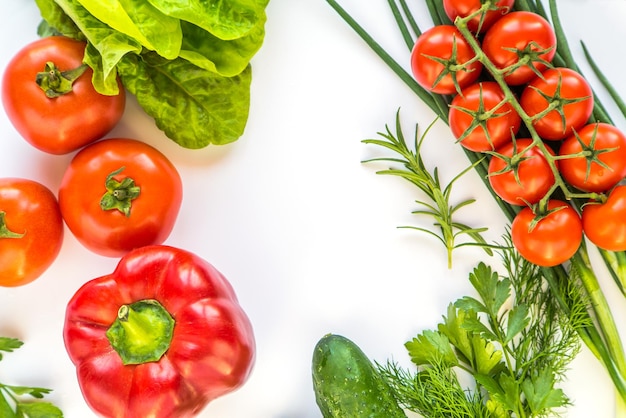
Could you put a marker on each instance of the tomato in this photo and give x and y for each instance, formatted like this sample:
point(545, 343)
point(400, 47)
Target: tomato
point(570, 95)
point(520, 175)
point(521, 38)
point(119, 194)
point(480, 119)
point(31, 230)
point(605, 223)
point(65, 123)
point(440, 57)
point(481, 22)
point(604, 164)
point(547, 240)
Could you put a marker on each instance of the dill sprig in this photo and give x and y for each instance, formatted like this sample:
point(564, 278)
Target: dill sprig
point(512, 340)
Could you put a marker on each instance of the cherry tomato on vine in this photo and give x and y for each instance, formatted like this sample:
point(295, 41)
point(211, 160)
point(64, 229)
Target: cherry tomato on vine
point(569, 92)
point(120, 194)
point(31, 230)
point(520, 38)
point(604, 164)
point(605, 223)
point(550, 239)
point(441, 60)
point(481, 118)
point(481, 22)
point(520, 174)
point(51, 112)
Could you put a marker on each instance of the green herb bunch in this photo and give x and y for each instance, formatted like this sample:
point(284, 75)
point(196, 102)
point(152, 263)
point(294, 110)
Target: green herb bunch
point(14, 402)
point(500, 354)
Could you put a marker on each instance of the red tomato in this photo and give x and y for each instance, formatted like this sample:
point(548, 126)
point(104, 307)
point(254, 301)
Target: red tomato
point(470, 120)
point(569, 92)
point(520, 37)
point(120, 194)
point(605, 223)
point(31, 230)
point(61, 124)
point(605, 163)
point(434, 52)
point(549, 240)
point(465, 8)
point(520, 175)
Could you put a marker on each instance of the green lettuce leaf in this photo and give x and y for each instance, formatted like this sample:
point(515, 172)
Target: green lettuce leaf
point(108, 46)
point(193, 106)
point(227, 58)
point(225, 19)
point(141, 21)
point(187, 62)
point(57, 19)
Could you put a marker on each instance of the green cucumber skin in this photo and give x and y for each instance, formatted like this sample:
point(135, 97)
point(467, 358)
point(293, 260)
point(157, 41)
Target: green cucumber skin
point(346, 383)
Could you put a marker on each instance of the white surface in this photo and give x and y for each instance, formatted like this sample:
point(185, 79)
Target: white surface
point(305, 232)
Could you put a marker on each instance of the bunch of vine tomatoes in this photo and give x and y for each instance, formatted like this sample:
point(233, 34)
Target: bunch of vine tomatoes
point(548, 155)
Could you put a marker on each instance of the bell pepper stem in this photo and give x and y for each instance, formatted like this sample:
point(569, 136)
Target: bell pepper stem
point(142, 332)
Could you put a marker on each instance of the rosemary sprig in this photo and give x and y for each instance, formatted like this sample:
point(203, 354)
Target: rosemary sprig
point(438, 206)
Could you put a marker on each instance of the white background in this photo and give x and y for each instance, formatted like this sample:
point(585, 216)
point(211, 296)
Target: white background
point(305, 232)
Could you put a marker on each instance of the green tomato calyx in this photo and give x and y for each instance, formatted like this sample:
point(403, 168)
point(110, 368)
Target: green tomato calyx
point(5, 232)
point(54, 82)
point(119, 194)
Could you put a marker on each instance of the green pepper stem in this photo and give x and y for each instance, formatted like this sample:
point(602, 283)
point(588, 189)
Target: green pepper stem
point(142, 332)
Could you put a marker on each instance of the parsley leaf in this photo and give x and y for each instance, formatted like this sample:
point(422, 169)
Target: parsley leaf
point(12, 402)
point(511, 338)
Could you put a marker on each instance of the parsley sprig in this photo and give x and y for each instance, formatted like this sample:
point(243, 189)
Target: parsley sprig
point(14, 400)
point(512, 339)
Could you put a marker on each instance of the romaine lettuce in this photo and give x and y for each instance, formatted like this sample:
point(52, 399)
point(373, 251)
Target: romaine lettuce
point(186, 61)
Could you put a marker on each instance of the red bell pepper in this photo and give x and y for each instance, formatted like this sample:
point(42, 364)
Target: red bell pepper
point(159, 337)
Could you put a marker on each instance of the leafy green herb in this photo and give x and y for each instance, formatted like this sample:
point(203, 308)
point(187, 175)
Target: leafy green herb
point(438, 206)
point(12, 402)
point(188, 62)
point(512, 339)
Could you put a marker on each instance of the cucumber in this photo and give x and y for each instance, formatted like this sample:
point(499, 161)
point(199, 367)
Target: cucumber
point(347, 384)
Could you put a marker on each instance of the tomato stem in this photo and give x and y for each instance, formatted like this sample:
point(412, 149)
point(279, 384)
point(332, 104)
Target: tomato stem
point(119, 194)
point(5, 232)
point(54, 82)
